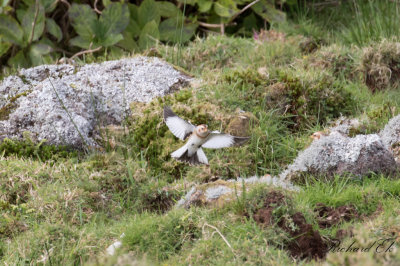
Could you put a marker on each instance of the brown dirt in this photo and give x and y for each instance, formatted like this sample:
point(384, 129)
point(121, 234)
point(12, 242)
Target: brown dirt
point(305, 242)
point(329, 216)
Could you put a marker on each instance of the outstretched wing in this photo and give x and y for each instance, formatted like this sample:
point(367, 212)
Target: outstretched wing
point(218, 140)
point(179, 127)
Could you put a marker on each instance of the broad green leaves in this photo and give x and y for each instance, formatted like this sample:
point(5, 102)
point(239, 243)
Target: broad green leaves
point(173, 30)
point(95, 32)
point(153, 21)
point(147, 12)
point(53, 29)
point(225, 8)
point(10, 30)
point(266, 9)
point(149, 35)
point(33, 23)
point(4, 46)
point(26, 33)
point(32, 27)
point(83, 19)
point(168, 9)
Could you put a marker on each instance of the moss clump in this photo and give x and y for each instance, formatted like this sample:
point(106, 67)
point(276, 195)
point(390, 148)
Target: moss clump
point(245, 77)
point(151, 137)
point(339, 60)
point(7, 108)
point(28, 148)
point(381, 65)
point(307, 99)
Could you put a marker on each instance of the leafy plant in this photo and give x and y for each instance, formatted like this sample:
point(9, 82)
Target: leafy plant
point(102, 31)
point(156, 20)
point(25, 32)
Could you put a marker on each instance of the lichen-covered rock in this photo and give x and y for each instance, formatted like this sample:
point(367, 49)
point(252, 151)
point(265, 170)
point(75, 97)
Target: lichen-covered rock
point(339, 154)
point(64, 104)
point(390, 134)
point(220, 192)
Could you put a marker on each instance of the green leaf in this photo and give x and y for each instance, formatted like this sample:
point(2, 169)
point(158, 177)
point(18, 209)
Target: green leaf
point(49, 5)
point(128, 43)
point(171, 30)
point(4, 7)
point(10, 30)
point(18, 61)
point(149, 35)
point(168, 9)
point(111, 40)
point(53, 29)
point(133, 29)
point(4, 46)
point(115, 53)
point(147, 12)
point(204, 5)
point(266, 9)
point(225, 8)
point(33, 23)
point(188, 2)
point(81, 42)
point(20, 14)
point(37, 51)
point(84, 20)
point(106, 2)
point(115, 18)
point(134, 11)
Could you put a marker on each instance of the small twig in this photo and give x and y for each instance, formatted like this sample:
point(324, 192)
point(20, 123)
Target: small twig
point(34, 21)
point(242, 10)
point(216, 229)
point(208, 25)
point(86, 52)
point(95, 7)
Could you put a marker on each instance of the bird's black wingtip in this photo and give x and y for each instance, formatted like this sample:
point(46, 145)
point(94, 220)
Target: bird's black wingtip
point(240, 140)
point(168, 112)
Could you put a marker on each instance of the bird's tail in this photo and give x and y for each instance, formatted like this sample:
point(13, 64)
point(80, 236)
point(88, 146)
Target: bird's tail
point(182, 155)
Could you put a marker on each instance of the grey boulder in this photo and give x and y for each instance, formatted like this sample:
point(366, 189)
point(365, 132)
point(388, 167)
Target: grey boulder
point(65, 104)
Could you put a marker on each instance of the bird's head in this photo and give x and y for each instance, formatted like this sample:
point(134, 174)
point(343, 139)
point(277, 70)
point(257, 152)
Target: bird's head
point(202, 130)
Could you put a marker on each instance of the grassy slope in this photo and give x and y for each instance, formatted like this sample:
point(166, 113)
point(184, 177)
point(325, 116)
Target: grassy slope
point(69, 211)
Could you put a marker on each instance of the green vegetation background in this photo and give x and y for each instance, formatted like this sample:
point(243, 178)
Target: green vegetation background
point(305, 65)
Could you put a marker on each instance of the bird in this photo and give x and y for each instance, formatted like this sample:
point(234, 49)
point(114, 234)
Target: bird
point(198, 137)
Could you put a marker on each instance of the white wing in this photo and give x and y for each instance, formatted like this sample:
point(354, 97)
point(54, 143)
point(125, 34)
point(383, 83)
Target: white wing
point(179, 127)
point(179, 152)
point(202, 157)
point(218, 140)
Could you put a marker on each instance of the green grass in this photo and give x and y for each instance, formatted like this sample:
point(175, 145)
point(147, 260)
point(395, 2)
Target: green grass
point(69, 209)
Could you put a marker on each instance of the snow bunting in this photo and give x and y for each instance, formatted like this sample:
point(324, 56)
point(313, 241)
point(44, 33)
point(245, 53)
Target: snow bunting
point(199, 137)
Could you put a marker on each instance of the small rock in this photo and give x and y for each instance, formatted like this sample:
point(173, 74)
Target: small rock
point(391, 132)
point(220, 192)
point(113, 247)
point(339, 154)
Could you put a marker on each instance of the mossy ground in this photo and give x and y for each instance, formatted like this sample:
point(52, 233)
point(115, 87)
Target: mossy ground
point(68, 210)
